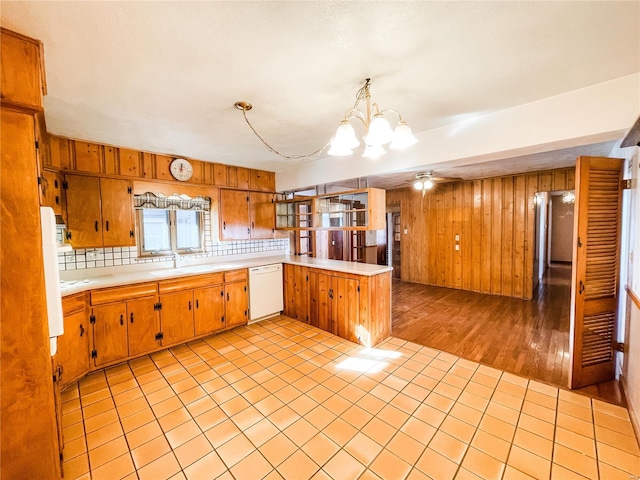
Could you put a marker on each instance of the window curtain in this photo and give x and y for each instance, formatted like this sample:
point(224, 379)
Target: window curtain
point(173, 202)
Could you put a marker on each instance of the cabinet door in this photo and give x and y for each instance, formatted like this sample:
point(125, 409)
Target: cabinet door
point(110, 333)
point(262, 181)
point(234, 215)
point(73, 347)
point(236, 303)
point(319, 301)
point(177, 317)
point(117, 212)
point(209, 309)
point(301, 293)
point(20, 70)
point(51, 191)
point(345, 307)
point(84, 220)
point(263, 215)
point(290, 300)
point(143, 325)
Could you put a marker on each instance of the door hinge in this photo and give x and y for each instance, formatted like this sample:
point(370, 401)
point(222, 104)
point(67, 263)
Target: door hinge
point(619, 347)
point(247, 198)
point(245, 313)
point(131, 234)
point(39, 180)
point(307, 278)
point(65, 185)
point(358, 288)
point(579, 242)
point(157, 306)
point(37, 145)
point(159, 336)
point(245, 288)
point(92, 319)
point(222, 319)
point(129, 190)
point(272, 200)
point(94, 354)
point(626, 184)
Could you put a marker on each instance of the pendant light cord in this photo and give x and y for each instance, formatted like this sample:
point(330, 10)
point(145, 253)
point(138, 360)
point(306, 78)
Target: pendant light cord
point(298, 158)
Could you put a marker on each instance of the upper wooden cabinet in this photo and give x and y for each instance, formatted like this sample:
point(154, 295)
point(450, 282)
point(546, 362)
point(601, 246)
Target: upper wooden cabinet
point(99, 212)
point(263, 181)
point(21, 78)
point(246, 215)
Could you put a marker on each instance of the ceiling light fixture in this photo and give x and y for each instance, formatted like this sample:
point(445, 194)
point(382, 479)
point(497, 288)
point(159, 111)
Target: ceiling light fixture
point(423, 182)
point(377, 131)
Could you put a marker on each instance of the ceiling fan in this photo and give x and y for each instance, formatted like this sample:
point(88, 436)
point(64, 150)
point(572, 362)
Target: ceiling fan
point(425, 181)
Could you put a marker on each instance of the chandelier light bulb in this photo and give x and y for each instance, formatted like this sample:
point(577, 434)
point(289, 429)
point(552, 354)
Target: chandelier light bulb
point(373, 151)
point(402, 136)
point(418, 185)
point(339, 150)
point(345, 136)
point(380, 132)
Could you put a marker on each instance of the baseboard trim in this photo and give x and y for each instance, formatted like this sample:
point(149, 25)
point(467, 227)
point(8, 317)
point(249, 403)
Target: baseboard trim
point(632, 414)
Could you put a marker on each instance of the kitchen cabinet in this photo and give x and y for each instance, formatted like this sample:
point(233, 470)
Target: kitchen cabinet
point(262, 181)
point(354, 307)
point(192, 306)
point(246, 215)
point(99, 211)
point(51, 191)
point(22, 80)
point(124, 322)
point(236, 299)
point(73, 345)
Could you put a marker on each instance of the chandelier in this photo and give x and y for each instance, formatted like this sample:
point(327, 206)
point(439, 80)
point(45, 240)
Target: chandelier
point(377, 131)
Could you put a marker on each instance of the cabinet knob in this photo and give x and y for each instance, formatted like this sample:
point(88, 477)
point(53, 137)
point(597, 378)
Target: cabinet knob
point(189, 304)
point(96, 225)
point(107, 225)
point(81, 330)
point(131, 317)
point(121, 319)
point(197, 303)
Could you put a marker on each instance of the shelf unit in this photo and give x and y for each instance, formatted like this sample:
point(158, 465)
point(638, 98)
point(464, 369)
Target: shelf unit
point(296, 214)
point(362, 209)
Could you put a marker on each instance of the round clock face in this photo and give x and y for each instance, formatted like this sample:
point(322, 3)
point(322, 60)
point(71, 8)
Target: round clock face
point(181, 169)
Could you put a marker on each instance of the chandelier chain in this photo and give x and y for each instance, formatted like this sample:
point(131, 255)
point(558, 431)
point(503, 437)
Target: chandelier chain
point(298, 158)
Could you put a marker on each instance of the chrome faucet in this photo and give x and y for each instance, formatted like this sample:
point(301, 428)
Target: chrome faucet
point(177, 260)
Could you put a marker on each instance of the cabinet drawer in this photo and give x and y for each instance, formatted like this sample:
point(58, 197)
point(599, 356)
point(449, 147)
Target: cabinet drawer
point(119, 294)
point(73, 304)
point(235, 276)
point(177, 284)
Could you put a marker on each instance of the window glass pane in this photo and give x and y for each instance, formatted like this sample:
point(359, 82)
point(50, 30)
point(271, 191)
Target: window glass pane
point(155, 227)
point(187, 229)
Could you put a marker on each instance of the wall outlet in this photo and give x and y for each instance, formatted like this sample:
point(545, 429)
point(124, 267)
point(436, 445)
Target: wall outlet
point(406, 231)
point(457, 238)
point(457, 247)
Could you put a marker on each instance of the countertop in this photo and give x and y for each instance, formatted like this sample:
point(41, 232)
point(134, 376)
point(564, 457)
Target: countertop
point(78, 281)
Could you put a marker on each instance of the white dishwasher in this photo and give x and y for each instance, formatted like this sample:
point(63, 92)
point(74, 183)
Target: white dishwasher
point(265, 292)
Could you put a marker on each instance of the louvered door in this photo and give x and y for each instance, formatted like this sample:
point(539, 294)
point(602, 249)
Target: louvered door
point(596, 262)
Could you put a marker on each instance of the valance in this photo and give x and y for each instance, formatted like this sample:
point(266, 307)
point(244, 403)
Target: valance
point(172, 202)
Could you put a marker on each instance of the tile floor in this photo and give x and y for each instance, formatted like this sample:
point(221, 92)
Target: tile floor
point(280, 399)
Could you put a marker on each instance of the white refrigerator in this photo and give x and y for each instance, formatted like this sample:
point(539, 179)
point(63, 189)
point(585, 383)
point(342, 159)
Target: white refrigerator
point(51, 276)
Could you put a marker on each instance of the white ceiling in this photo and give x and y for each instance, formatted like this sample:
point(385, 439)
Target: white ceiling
point(164, 76)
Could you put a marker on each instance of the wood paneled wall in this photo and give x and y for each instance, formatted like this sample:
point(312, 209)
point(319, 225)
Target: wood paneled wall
point(493, 221)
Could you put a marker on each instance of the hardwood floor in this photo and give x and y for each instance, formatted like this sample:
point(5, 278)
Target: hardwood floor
point(529, 338)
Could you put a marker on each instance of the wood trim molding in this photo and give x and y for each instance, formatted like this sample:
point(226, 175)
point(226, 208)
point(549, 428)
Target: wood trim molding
point(633, 295)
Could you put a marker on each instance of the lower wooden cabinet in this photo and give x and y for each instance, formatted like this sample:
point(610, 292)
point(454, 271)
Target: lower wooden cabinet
point(209, 310)
point(177, 317)
point(354, 307)
point(72, 358)
point(143, 326)
point(236, 305)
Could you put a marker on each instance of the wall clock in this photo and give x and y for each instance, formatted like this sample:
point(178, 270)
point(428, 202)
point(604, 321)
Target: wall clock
point(181, 169)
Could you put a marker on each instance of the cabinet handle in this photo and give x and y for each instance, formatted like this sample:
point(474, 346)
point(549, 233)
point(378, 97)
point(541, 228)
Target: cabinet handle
point(96, 225)
point(222, 293)
point(253, 225)
point(197, 303)
point(227, 297)
point(189, 304)
point(81, 330)
point(222, 320)
point(121, 319)
point(224, 225)
point(131, 317)
point(107, 225)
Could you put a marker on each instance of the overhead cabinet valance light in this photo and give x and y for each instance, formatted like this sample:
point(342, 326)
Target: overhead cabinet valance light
point(377, 130)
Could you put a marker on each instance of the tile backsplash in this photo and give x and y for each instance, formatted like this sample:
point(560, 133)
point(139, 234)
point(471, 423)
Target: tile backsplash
point(115, 256)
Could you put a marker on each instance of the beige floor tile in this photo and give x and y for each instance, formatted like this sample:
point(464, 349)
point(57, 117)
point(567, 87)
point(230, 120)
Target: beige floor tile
point(379, 431)
point(261, 432)
point(623, 442)
point(442, 403)
point(235, 450)
point(166, 406)
point(540, 398)
point(611, 473)
point(458, 429)
point(574, 398)
point(529, 463)
point(343, 465)
point(538, 411)
point(511, 473)
point(533, 443)
point(448, 446)
point(610, 409)
point(483, 465)
point(430, 415)
point(575, 461)
point(406, 448)
point(160, 469)
point(464, 474)
point(298, 465)
point(133, 407)
point(436, 466)
point(174, 419)
point(183, 433)
point(575, 424)
point(418, 430)
point(73, 448)
point(141, 435)
point(466, 414)
point(76, 467)
point(577, 442)
point(150, 451)
point(107, 452)
point(303, 405)
point(141, 418)
point(491, 445)
point(569, 408)
point(252, 467)
point(363, 448)
point(222, 432)
point(340, 431)
point(119, 467)
point(619, 459)
point(283, 417)
point(393, 416)
point(611, 422)
point(537, 426)
point(268, 405)
point(247, 417)
point(559, 472)
point(192, 451)
point(503, 413)
point(277, 449)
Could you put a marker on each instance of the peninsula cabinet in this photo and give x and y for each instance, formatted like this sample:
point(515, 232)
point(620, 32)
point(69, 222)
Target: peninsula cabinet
point(354, 307)
point(124, 322)
point(73, 345)
point(99, 212)
point(246, 215)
